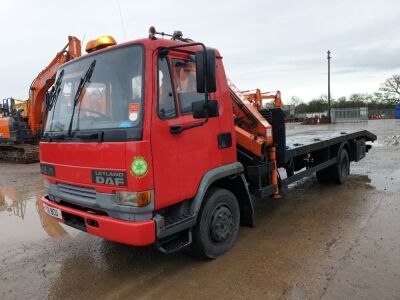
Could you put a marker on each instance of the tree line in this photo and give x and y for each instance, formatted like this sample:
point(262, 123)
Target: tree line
point(386, 97)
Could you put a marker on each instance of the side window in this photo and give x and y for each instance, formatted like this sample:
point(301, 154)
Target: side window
point(137, 88)
point(166, 102)
point(185, 78)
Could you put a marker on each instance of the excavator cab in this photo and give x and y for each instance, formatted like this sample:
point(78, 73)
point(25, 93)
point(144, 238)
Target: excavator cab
point(7, 107)
point(13, 125)
point(14, 108)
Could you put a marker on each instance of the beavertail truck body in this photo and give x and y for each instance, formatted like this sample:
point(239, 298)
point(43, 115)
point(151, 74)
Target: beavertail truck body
point(134, 154)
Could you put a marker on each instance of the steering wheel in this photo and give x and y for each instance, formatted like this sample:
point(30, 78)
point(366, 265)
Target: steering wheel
point(95, 112)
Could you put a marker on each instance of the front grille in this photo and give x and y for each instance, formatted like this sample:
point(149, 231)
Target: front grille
point(77, 191)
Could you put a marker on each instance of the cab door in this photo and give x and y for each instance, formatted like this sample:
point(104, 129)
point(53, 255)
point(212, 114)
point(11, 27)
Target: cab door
point(179, 159)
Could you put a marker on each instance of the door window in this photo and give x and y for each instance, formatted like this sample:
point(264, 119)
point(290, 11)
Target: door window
point(166, 102)
point(185, 79)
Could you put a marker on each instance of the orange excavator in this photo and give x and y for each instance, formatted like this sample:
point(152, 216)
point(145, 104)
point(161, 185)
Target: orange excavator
point(21, 121)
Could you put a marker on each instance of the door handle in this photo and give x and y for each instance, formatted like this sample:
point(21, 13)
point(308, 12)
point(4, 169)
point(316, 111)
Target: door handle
point(177, 129)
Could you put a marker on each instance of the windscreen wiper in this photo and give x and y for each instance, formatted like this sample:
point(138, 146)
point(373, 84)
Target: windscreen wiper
point(55, 91)
point(98, 136)
point(51, 137)
point(79, 90)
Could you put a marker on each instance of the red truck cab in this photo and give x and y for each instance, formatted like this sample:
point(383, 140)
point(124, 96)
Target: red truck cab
point(125, 156)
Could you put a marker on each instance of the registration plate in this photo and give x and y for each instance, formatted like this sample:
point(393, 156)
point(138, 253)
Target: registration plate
point(54, 212)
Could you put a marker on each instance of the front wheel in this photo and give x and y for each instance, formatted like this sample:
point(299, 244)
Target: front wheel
point(217, 224)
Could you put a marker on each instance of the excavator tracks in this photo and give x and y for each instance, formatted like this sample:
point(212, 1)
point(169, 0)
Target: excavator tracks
point(23, 153)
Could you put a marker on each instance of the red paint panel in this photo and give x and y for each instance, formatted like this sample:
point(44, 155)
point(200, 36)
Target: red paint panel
point(74, 163)
point(94, 155)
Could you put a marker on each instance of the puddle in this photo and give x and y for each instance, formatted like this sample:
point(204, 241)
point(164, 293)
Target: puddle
point(22, 218)
point(386, 181)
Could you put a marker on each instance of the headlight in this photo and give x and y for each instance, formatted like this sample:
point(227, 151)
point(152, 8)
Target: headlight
point(137, 199)
point(46, 185)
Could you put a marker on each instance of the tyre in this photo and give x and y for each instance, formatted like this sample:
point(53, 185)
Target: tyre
point(324, 176)
point(342, 169)
point(217, 224)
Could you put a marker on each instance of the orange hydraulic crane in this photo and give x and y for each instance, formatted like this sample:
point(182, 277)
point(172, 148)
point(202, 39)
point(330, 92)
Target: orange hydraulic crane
point(21, 123)
point(253, 131)
point(256, 97)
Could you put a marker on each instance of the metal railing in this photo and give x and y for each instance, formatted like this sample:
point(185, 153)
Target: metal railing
point(349, 115)
point(381, 113)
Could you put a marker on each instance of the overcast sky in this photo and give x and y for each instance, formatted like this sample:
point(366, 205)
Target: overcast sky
point(266, 44)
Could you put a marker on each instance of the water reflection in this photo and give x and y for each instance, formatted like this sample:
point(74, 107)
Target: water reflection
point(31, 221)
point(51, 226)
point(11, 201)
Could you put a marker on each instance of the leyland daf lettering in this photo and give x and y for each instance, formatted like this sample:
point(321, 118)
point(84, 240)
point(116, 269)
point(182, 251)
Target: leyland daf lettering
point(109, 177)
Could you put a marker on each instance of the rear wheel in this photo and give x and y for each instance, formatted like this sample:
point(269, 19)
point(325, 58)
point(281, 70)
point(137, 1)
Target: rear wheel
point(342, 169)
point(324, 176)
point(217, 224)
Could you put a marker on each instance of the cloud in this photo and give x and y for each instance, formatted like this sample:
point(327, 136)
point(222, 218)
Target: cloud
point(267, 44)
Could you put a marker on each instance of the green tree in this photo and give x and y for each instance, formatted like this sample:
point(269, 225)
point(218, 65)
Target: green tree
point(340, 102)
point(390, 89)
point(301, 108)
point(296, 101)
point(318, 105)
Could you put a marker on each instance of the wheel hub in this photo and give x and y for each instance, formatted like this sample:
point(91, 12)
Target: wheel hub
point(221, 224)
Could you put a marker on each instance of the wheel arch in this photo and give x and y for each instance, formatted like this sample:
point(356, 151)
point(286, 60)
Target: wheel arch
point(229, 177)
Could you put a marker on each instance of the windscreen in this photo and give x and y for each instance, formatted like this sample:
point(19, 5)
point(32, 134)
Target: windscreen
point(111, 98)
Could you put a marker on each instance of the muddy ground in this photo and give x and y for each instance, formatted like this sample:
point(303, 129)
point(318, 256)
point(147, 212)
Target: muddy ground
point(320, 241)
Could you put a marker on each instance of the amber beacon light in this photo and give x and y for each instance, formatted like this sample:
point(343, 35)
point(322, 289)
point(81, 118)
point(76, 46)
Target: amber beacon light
point(100, 43)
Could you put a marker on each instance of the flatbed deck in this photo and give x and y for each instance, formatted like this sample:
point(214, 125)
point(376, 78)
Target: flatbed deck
point(308, 150)
point(301, 142)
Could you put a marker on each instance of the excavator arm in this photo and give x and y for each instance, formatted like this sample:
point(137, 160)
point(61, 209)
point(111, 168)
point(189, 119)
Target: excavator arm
point(45, 79)
point(21, 123)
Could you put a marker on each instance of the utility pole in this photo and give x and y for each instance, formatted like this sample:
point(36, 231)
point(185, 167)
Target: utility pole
point(329, 86)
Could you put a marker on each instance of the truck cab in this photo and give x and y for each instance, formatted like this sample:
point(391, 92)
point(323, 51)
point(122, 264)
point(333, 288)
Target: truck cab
point(129, 159)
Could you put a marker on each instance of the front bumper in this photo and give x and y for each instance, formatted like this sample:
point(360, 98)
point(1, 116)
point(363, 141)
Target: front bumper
point(127, 232)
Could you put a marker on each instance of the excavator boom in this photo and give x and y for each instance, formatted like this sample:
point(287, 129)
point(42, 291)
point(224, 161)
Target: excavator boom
point(45, 79)
point(21, 123)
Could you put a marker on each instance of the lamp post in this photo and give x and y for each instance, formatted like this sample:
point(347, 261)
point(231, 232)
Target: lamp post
point(329, 86)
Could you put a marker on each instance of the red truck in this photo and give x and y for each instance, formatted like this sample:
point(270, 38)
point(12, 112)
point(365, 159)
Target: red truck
point(147, 142)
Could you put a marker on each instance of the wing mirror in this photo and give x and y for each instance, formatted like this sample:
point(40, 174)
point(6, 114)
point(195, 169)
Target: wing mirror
point(202, 109)
point(205, 71)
